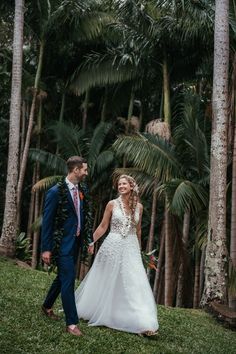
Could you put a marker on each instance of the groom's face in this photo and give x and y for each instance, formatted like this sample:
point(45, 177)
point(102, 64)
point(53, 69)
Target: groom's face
point(81, 172)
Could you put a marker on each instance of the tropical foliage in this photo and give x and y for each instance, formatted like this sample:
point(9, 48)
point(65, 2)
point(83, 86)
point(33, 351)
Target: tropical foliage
point(128, 85)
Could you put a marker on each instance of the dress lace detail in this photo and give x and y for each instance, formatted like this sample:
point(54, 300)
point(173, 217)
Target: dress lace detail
point(116, 292)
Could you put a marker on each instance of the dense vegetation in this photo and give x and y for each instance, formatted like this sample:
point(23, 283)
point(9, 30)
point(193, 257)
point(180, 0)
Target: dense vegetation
point(128, 85)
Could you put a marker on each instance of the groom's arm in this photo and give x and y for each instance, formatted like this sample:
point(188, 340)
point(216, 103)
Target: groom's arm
point(49, 213)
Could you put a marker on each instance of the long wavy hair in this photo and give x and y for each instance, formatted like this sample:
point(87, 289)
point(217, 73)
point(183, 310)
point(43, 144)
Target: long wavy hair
point(134, 194)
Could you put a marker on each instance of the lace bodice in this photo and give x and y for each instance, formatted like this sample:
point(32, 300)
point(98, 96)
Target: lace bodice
point(121, 222)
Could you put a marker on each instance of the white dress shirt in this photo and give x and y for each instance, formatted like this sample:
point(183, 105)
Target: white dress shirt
point(71, 187)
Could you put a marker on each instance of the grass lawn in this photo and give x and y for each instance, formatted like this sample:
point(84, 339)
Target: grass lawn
point(23, 329)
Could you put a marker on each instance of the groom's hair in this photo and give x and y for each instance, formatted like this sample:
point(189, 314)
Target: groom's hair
point(75, 161)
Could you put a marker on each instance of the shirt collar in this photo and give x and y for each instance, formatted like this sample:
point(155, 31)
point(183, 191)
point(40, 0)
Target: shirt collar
point(70, 185)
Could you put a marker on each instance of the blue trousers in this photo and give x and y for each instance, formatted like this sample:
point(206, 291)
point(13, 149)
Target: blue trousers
point(64, 283)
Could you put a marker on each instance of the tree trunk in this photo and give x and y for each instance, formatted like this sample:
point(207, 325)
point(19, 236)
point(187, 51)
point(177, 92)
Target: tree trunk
point(25, 157)
point(166, 90)
point(22, 129)
point(196, 297)
point(152, 224)
point(30, 127)
point(36, 232)
point(9, 229)
point(104, 105)
point(202, 263)
point(31, 207)
point(130, 110)
point(180, 285)
point(37, 196)
point(62, 110)
point(159, 265)
point(232, 297)
point(168, 261)
point(216, 251)
point(85, 110)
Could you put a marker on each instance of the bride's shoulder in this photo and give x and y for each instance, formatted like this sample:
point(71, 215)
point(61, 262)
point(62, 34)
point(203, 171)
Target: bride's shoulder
point(111, 203)
point(140, 207)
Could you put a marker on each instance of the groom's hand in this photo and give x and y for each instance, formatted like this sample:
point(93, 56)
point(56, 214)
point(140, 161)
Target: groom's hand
point(91, 249)
point(46, 257)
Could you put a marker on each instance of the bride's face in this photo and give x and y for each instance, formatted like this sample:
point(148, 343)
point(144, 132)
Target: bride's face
point(123, 186)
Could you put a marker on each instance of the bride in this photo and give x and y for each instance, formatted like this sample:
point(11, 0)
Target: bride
point(116, 293)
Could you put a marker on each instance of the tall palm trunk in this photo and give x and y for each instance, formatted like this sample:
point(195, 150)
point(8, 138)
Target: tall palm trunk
point(104, 105)
point(37, 195)
point(202, 267)
point(9, 229)
point(168, 260)
point(196, 297)
point(159, 264)
point(22, 132)
point(85, 110)
point(152, 224)
point(130, 109)
point(232, 298)
point(216, 252)
point(180, 285)
point(31, 207)
point(36, 232)
point(29, 130)
point(166, 90)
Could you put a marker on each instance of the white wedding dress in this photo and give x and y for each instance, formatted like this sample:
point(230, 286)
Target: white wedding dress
point(116, 293)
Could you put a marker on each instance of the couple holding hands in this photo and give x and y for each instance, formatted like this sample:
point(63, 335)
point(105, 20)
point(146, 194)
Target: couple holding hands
point(116, 292)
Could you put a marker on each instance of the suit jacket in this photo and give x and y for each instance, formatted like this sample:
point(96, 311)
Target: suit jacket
point(70, 242)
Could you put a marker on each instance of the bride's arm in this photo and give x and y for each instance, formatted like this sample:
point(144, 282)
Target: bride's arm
point(102, 228)
point(139, 224)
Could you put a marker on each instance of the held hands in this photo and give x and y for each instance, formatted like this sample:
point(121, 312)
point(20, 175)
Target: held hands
point(46, 257)
point(91, 249)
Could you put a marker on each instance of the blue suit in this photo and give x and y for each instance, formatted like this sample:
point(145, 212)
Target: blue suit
point(65, 281)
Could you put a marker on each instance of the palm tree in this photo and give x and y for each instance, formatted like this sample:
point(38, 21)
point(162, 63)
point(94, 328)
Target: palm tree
point(85, 21)
point(216, 251)
point(182, 183)
point(72, 141)
point(9, 230)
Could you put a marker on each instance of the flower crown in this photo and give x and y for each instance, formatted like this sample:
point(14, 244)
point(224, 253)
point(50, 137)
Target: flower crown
point(135, 188)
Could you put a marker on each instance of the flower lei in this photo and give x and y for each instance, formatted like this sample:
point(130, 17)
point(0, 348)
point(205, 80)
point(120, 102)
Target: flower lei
point(61, 216)
point(88, 217)
point(127, 222)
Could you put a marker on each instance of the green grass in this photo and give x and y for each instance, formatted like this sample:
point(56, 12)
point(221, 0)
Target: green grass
point(23, 329)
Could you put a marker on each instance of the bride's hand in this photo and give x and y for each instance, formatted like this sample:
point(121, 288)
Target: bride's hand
point(91, 249)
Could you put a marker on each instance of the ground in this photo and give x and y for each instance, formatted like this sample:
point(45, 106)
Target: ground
point(24, 330)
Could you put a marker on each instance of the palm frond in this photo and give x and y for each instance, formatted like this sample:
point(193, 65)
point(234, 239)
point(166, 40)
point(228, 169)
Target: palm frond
point(101, 74)
point(46, 183)
point(96, 144)
point(104, 160)
point(150, 154)
point(144, 181)
point(183, 195)
point(50, 161)
point(69, 138)
point(190, 140)
point(83, 20)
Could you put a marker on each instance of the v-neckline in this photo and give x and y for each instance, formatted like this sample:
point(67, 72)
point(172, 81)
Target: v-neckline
point(128, 215)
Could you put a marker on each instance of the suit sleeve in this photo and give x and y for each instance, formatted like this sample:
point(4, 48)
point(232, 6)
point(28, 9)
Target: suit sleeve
point(49, 212)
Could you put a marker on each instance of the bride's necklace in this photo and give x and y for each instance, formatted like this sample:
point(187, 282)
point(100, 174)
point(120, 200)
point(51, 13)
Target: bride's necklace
point(127, 219)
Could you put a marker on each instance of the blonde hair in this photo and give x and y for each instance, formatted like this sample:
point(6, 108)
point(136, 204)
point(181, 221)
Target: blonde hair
point(134, 195)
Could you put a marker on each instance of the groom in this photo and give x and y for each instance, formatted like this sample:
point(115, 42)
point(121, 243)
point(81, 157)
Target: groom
point(62, 235)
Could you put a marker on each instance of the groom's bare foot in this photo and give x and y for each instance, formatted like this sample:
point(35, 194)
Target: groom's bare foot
point(74, 330)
